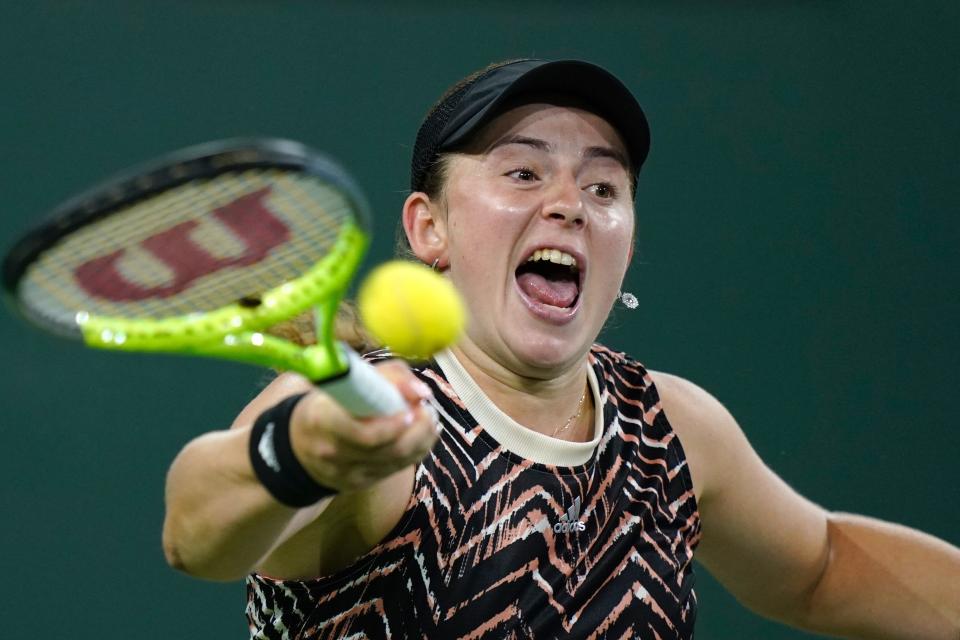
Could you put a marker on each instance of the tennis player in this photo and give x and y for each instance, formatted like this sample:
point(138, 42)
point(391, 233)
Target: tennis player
point(539, 485)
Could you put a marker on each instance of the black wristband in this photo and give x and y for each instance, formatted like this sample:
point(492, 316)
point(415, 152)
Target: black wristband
point(274, 462)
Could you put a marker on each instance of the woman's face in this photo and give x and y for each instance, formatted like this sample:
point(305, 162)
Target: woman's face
point(539, 219)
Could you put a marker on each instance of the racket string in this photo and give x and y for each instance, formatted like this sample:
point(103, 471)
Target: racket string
point(218, 264)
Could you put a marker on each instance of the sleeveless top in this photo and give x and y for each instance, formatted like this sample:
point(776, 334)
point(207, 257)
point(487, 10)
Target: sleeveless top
point(513, 534)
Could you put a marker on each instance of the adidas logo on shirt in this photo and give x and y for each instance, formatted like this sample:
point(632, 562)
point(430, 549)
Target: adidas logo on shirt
point(570, 521)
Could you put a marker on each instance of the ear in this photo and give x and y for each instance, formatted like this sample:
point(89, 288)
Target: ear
point(426, 227)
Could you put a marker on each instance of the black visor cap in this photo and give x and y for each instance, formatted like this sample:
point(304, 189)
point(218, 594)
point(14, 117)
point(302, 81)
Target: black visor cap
point(586, 85)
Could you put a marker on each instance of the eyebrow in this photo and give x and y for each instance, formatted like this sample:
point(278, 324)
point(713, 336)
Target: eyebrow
point(543, 145)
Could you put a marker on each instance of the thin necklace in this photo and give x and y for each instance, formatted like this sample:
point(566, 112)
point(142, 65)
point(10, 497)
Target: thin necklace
point(570, 420)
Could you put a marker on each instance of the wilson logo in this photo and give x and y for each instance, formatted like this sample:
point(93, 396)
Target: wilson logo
point(247, 218)
point(570, 521)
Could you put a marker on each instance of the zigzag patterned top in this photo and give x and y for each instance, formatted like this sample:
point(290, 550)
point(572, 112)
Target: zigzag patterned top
point(517, 535)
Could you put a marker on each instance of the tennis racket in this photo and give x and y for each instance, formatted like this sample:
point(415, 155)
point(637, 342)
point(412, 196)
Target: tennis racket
point(199, 253)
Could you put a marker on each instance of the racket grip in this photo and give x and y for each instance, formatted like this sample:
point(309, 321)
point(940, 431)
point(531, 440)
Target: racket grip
point(362, 390)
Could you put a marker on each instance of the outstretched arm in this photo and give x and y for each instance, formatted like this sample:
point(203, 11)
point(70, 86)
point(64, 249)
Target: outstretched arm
point(788, 559)
point(221, 523)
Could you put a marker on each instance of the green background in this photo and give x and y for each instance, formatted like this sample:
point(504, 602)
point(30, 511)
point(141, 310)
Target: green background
point(797, 248)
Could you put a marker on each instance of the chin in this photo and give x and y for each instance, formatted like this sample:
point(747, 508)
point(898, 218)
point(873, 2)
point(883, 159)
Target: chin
point(548, 352)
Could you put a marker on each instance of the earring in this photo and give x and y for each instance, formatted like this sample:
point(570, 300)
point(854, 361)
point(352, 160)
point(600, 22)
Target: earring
point(628, 299)
point(435, 263)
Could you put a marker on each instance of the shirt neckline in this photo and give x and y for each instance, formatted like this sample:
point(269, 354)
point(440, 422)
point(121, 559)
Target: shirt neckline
point(512, 435)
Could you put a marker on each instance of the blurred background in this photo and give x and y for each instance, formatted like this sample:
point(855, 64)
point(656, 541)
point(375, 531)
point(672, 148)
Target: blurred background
point(797, 246)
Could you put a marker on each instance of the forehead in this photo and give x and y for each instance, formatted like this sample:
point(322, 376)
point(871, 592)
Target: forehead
point(560, 125)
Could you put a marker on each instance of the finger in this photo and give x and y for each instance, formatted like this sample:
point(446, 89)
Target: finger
point(321, 418)
point(333, 438)
point(410, 445)
point(391, 444)
point(347, 471)
point(374, 433)
point(414, 443)
point(401, 376)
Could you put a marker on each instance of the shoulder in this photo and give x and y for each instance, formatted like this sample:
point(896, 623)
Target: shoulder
point(688, 404)
point(673, 392)
point(685, 401)
point(711, 438)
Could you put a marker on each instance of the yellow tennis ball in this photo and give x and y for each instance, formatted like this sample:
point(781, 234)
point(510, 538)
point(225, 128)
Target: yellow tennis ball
point(411, 309)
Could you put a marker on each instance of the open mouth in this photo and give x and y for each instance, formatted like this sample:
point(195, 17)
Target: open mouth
point(550, 277)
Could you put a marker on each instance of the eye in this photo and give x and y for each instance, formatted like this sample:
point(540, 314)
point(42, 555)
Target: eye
point(604, 190)
point(524, 174)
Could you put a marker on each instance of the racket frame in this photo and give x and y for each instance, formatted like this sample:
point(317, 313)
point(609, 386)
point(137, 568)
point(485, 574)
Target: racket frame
point(235, 331)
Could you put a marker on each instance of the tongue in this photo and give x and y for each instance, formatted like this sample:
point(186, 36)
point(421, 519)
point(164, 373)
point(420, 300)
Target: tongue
point(556, 293)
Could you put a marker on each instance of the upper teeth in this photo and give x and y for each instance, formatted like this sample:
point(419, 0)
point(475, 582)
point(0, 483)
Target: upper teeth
point(553, 255)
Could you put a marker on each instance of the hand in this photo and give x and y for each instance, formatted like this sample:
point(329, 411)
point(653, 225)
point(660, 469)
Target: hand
point(349, 454)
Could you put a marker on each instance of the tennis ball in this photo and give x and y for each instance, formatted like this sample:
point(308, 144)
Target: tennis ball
point(411, 309)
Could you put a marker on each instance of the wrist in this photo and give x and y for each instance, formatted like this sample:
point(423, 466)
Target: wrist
point(274, 462)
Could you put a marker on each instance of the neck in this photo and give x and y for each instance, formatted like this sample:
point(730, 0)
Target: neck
point(541, 404)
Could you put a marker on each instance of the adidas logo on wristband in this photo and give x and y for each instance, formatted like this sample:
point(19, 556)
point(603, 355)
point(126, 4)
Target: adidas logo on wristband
point(266, 450)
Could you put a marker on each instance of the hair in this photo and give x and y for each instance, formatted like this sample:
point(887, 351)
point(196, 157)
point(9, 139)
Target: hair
point(437, 168)
point(301, 329)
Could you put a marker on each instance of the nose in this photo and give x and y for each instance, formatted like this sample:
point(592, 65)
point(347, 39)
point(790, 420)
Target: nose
point(564, 202)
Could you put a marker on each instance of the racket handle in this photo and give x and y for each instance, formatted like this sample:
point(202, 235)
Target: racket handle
point(363, 391)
